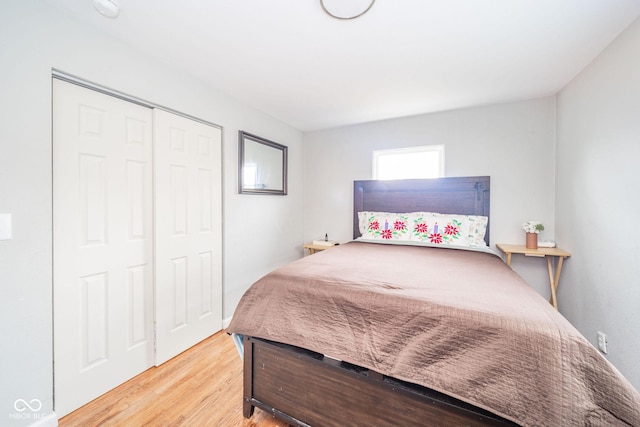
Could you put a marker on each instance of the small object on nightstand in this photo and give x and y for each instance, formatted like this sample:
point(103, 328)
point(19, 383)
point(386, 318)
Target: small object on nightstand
point(325, 242)
point(547, 244)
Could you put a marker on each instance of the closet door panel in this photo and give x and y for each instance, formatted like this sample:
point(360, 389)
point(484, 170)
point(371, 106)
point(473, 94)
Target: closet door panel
point(188, 212)
point(102, 243)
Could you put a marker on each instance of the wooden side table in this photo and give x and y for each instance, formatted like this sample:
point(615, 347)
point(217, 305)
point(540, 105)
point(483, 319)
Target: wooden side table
point(316, 248)
point(549, 254)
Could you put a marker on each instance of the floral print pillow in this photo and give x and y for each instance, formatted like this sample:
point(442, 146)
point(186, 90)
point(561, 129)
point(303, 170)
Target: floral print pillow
point(384, 225)
point(439, 229)
point(426, 227)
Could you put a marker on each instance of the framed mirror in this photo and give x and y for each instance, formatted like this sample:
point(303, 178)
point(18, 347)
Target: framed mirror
point(262, 165)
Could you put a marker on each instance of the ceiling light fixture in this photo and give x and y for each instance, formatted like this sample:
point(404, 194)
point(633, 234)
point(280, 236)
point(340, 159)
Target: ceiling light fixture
point(341, 9)
point(108, 8)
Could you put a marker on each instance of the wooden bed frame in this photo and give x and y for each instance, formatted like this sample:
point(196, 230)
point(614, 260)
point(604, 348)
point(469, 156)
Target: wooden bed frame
point(305, 388)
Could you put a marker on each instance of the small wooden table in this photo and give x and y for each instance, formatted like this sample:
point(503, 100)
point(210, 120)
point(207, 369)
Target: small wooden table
point(549, 254)
point(316, 248)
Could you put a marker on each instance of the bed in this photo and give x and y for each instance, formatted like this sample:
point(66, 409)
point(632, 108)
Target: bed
point(375, 333)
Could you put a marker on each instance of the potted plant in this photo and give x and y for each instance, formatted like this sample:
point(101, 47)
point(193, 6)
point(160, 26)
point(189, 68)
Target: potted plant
point(532, 228)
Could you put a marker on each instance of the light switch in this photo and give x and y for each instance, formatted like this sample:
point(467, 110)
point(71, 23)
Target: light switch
point(5, 227)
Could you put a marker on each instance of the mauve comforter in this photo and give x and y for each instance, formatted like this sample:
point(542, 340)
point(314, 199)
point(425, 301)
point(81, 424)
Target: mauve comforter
point(458, 322)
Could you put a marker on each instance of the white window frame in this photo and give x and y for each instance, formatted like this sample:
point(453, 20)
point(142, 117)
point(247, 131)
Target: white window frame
point(439, 149)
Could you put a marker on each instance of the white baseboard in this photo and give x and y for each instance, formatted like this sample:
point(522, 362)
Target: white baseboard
point(225, 322)
point(50, 420)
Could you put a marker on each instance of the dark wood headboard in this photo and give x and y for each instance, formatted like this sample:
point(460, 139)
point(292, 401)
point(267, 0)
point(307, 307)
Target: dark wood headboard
point(464, 196)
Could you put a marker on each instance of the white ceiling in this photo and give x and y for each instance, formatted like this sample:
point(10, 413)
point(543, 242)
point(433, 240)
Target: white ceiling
point(404, 57)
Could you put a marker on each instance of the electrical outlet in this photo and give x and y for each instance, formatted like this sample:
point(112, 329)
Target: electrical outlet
point(602, 342)
point(5, 226)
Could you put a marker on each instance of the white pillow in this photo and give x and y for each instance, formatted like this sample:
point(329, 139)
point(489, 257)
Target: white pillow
point(452, 229)
point(439, 229)
point(384, 225)
point(477, 229)
point(430, 227)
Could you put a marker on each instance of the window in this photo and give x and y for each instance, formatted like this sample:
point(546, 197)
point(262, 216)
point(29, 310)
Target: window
point(409, 163)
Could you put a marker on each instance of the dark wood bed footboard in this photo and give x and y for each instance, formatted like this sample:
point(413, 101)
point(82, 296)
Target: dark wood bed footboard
point(306, 389)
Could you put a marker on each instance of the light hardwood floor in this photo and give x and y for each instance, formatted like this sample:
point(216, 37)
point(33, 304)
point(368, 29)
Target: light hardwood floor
point(200, 387)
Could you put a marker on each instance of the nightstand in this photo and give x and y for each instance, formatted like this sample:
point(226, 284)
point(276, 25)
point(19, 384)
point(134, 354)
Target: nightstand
point(316, 248)
point(549, 254)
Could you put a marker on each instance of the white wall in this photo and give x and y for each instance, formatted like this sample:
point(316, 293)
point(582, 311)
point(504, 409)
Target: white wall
point(261, 232)
point(598, 200)
point(513, 143)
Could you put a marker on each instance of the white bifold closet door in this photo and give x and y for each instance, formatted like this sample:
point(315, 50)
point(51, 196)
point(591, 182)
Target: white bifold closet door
point(188, 214)
point(137, 239)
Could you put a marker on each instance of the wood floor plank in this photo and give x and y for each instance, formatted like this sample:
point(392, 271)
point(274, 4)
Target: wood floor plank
point(200, 387)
